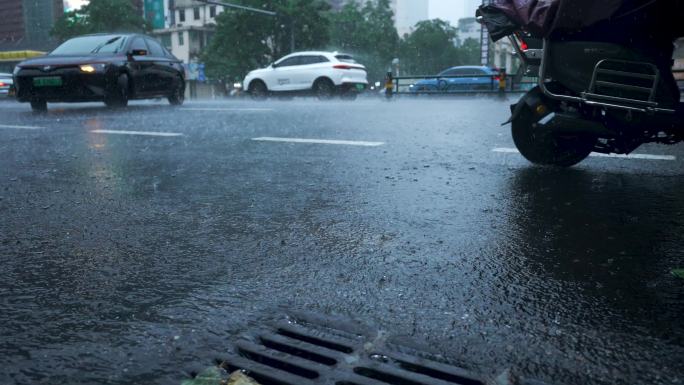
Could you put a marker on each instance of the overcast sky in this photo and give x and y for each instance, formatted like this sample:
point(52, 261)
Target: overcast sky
point(73, 4)
point(452, 10)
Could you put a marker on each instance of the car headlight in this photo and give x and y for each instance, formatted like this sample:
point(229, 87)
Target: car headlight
point(16, 70)
point(237, 85)
point(91, 68)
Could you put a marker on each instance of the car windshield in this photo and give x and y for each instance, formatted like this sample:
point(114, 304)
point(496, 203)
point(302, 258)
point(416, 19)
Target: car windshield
point(90, 44)
point(346, 59)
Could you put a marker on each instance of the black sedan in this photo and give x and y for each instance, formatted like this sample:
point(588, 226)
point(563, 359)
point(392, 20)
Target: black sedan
point(113, 68)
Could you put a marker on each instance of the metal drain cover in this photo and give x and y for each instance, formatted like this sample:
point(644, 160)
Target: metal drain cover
point(310, 350)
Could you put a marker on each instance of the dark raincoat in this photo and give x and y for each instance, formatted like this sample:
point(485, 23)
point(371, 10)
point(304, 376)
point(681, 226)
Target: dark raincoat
point(541, 17)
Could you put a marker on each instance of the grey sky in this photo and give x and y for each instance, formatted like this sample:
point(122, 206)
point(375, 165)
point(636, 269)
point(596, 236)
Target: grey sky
point(452, 10)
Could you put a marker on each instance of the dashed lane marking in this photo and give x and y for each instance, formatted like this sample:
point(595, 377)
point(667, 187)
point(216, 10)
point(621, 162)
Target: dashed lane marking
point(227, 109)
point(20, 127)
point(319, 141)
point(599, 155)
point(145, 133)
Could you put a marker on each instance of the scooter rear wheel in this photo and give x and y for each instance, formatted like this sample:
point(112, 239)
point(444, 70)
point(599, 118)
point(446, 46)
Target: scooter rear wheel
point(543, 147)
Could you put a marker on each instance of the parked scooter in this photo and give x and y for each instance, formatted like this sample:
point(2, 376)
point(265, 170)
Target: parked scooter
point(607, 87)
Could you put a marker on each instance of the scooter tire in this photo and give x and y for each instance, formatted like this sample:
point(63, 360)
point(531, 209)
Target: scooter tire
point(548, 148)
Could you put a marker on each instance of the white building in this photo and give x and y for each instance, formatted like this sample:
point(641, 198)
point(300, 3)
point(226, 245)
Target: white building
point(409, 12)
point(468, 28)
point(189, 25)
point(505, 56)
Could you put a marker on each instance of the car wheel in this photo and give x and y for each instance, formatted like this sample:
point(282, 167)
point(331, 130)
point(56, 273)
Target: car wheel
point(118, 94)
point(178, 96)
point(324, 89)
point(547, 148)
point(258, 90)
point(38, 105)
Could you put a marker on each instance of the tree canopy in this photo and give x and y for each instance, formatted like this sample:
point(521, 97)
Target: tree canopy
point(368, 33)
point(430, 48)
point(245, 40)
point(100, 16)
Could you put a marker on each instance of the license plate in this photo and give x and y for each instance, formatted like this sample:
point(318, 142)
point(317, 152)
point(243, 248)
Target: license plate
point(47, 81)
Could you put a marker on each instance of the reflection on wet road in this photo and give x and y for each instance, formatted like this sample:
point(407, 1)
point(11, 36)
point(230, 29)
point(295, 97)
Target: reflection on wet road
point(130, 255)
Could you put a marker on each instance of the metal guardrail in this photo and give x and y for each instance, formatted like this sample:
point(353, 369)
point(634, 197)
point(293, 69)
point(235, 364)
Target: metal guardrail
point(441, 85)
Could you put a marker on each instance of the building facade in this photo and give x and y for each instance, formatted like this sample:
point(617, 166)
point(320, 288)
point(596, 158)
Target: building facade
point(187, 28)
point(409, 12)
point(27, 23)
point(468, 28)
point(505, 56)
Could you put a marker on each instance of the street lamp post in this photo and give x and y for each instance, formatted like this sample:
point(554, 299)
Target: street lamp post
point(395, 64)
point(256, 10)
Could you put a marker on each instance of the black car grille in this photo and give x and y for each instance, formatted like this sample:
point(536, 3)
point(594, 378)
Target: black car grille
point(75, 85)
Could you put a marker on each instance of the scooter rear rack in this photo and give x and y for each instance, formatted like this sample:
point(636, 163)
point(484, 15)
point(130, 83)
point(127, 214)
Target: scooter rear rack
point(599, 93)
point(610, 78)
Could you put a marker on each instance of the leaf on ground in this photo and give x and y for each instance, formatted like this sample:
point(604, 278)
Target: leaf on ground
point(239, 378)
point(217, 376)
point(209, 376)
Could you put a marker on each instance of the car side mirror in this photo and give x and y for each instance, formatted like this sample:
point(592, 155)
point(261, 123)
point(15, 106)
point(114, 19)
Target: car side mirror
point(137, 52)
point(274, 66)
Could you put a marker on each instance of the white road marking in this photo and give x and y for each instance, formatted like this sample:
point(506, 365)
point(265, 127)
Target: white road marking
point(319, 141)
point(20, 127)
point(506, 150)
point(635, 156)
point(146, 133)
point(599, 155)
point(227, 109)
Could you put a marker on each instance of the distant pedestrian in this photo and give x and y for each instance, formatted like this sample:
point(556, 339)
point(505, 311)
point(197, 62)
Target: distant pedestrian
point(389, 85)
point(502, 80)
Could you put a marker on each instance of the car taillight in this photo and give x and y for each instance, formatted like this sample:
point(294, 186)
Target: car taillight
point(2, 84)
point(523, 45)
point(342, 67)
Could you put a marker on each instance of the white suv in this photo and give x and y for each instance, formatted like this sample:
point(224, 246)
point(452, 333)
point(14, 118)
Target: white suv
point(326, 74)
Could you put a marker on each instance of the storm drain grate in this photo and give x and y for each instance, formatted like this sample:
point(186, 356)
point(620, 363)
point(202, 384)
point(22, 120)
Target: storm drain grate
point(308, 351)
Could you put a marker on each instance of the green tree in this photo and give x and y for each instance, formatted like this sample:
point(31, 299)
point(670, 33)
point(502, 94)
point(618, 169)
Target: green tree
point(245, 40)
point(100, 16)
point(430, 48)
point(469, 52)
point(368, 33)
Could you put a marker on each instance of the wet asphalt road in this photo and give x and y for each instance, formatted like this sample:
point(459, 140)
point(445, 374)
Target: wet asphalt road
point(135, 258)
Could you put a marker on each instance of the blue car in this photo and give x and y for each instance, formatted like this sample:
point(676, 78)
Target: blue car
point(470, 79)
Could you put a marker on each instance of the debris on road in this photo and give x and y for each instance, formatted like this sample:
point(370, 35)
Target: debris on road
point(215, 375)
point(239, 378)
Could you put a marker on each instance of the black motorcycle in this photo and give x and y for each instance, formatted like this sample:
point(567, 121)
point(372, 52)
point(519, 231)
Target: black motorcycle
point(606, 87)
